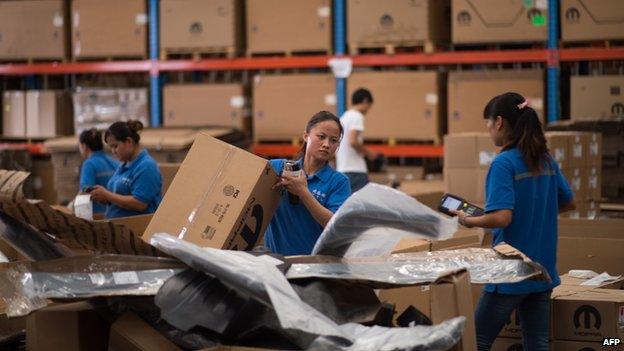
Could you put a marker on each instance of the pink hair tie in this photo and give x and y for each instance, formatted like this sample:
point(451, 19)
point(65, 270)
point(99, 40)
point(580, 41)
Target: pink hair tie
point(523, 105)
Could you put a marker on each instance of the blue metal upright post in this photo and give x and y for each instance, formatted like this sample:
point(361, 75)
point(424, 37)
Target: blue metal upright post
point(553, 61)
point(155, 86)
point(339, 50)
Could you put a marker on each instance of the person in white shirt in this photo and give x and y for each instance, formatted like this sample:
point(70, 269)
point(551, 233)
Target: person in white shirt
point(352, 154)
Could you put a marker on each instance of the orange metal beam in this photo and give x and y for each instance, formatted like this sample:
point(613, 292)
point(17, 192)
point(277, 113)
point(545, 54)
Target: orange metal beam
point(591, 54)
point(425, 151)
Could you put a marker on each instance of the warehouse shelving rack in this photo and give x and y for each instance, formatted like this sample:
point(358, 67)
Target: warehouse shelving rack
point(552, 56)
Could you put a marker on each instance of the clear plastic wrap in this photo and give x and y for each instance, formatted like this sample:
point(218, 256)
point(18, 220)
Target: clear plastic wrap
point(486, 266)
point(373, 220)
point(98, 108)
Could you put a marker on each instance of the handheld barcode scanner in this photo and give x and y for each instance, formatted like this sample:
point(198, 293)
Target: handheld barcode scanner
point(454, 202)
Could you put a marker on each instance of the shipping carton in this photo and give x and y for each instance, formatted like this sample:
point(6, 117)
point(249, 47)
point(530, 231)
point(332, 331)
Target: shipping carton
point(189, 105)
point(113, 28)
point(304, 25)
point(221, 197)
point(33, 30)
point(427, 192)
point(592, 176)
point(606, 94)
point(559, 148)
point(283, 104)
point(168, 172)
point(48, 113)
point(408, 105)
point(131, 333)
point(492, 21)
point(466, 183)
point(469, 150)
point(14, 114)
point(470, 91)
point(587, 20)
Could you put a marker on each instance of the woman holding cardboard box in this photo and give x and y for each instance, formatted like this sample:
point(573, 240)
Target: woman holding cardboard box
point(135, 188)
point(313, 191)
point(525, 192)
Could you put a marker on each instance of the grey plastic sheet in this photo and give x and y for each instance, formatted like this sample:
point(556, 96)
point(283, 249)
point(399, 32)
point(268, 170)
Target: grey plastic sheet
point(486, 266)
point(259, 277)
point(373, 220)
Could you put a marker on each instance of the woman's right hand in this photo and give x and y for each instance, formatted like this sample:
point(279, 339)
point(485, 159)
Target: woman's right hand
point(99, 194)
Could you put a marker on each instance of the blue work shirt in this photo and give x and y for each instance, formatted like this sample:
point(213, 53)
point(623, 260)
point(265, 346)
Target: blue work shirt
point(293, 230)
point(140, 178)
point(535, 200)
point(97, 169)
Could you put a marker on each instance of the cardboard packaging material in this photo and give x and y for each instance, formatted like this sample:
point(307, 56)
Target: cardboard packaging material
point(304, 25)
point(606, 94)
point(168, 171)
point(470, 91)
point(190, 105)
point(32, 30)
point(587, 20)
point(562, 345)
point(66, 163)
point(14, 114)
point(467, 183)
point(114, 28)
point(201, 26)
point(130, 333)
point(42, 179)
point(99, 108)
point(48, 113)
point(283, 104)
point(480, 21)
point(592, 177)
point(507, 344)
point(469, 151)
point(559, 148)
point(374, 24)
point(427, 192)
point(396, 113)
point(411, 176)
point(221, 197)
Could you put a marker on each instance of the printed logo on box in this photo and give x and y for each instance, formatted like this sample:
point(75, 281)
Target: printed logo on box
point(588, 318)
point(464, 18)
point(573, 14)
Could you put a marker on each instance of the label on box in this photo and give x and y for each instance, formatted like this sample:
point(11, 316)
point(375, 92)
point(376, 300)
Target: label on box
point(486, 157)
point(577, 151)
point(330, 99)
point(57, 21)
point(76, 18)
point(593, 148)
point(559, 154)
point(123, 278)
point(257, 79)
point(431, 99)
point(140, 19)
point(77, 48)
point(323, 11)
point(237, 101)
point(541, 4)
point(576, 183)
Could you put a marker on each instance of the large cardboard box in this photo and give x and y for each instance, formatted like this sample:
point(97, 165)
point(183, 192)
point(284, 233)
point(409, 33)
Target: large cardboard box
point(201, 26)
point(99, 108)
point(188, 105)
point(408, 105)
point(304, 25)
point(592, 177)
point(168, 171)
point(466, 183)
point(130, 333)
point(32, 30)
point(562, 345)
point(48, 113)
point(492, 21)
point(587, 20)
point(559, 148)
point(373, 23)
point(469, 151)
point(113, 28)
point(14, 113)
point(283, 104)
point(221, 197)
point(470, 91)
point(606, 94)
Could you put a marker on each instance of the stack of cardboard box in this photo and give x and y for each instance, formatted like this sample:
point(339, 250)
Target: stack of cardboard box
point(66, 162)
point(586, 20)
point(99, 108)
point(36, 114)
point(605, 92)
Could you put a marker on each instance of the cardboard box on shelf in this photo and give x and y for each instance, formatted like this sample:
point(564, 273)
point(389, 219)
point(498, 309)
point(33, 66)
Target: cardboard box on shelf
point(33, 30)
point(114, 28)
point(577, 182)
point(469, 151)
point(201, 26)
point(562, 345)
point(283, 104)
point(606, 94)
point(226, 191)
point(466, 183)
point(507, 344)
point(189, 105)
point(373, 23)
point(304, 25)
point(14, 113)
point(168, 171)
point(131, 333)
point(595, 150)
point(592, 176)
point(579, 149)
point(48, 113)
point(559, 148)
point(586, 20)
point(470, 91)
point(99, 108)
point(396, 113)
point(477, 21)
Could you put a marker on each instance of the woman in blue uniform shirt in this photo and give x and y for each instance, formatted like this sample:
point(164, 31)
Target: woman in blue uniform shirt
point(98, 167)
point(321, 190)
point(135, 188)
point(525, 192)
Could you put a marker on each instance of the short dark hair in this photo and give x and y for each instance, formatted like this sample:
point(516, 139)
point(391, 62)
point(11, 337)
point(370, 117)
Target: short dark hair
point(124, 130)
point(361, 95)
point(92, 138)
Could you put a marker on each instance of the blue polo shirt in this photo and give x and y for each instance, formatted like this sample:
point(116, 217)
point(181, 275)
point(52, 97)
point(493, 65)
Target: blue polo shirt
point(140, 178)
point(293, 230)
point(97, 170)
point(535, 201)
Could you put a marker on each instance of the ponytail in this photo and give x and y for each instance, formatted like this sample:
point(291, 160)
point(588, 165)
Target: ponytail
point(524, 128)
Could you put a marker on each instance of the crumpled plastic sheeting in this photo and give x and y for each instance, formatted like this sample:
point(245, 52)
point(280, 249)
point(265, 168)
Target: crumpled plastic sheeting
point(259, 277)
point(373, 220)
point(486, 266)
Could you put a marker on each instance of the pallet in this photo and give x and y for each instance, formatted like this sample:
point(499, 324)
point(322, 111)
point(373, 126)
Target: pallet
point(391, 141)
point(288, 53)
point(427, 47)
point(108, 58)
point(606, 44)
point(498, 46)
point(199, 53)
point(31, 61)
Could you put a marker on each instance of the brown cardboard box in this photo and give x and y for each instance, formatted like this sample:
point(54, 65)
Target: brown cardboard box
point(427, 192)
point(213, 26)
point(42, 178)
point(189, 105)
point(408, 105)
point(507, 344)
point(589, 315)
point(577, 182)
point(562, 345)
point(587, 20)
point(466, 183)
point(14, 114)
point(492, 21)
point(595, 150)
point(579, 149)
point(32, 30)
point(460, 240)
point(469, 150)
point(559, 148)
point(227, 193)
point(48, 113)
point(283, 104)
point(304, 25)
point(136, 224)
point(130, 333)
point(606, 94)
point(592, 177)
point(470, 91)
point(372, 23)
point(168, 171)
point(112, 28)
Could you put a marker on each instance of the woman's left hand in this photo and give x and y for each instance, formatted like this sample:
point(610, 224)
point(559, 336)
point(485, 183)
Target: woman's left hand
point(99, 194)
point(295, 185)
